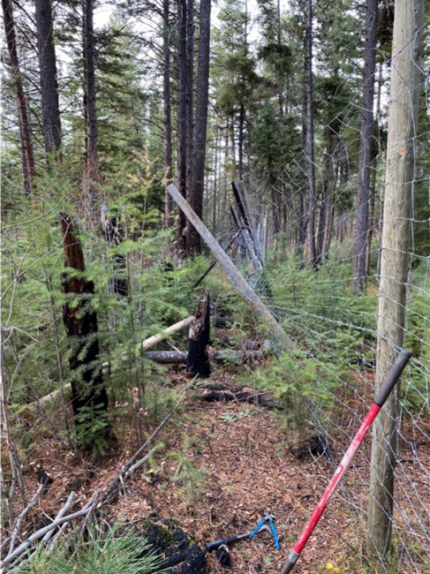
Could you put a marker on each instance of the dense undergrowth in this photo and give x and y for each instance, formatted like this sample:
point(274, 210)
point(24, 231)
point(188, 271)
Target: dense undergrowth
point(333, 330)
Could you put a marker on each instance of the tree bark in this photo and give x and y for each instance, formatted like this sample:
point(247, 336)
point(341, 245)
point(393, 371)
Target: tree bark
point(311, 251)
point(80, 322)
point(92, 165)
point(198, 339)
point(182, 123)
point(397, 230)
point(169, 219)
point(189, 98)
point(198, 163)
point(114, 234)
point(366, 133)
point(27, 157)
point(48, 77)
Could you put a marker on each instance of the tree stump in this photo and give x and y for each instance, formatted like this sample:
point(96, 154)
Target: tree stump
point(198, 339)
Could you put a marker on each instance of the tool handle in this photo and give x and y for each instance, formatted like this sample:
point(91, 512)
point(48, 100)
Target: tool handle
point(259, 525)
point(275, 535)
point(393, 376)
point(215, 545)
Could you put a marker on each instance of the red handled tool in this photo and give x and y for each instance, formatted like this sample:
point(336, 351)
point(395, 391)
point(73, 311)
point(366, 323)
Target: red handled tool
point(384, 392)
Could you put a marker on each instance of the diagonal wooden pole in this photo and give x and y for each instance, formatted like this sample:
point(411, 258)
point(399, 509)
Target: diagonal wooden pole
point(233, 273)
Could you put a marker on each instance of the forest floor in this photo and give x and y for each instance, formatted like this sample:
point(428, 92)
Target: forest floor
point(222, 466)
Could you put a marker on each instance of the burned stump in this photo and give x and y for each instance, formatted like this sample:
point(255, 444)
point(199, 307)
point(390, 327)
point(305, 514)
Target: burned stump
point(181, 555)
point(198, 339)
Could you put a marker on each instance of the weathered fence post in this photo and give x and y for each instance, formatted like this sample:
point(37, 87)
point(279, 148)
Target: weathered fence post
point(405, 70)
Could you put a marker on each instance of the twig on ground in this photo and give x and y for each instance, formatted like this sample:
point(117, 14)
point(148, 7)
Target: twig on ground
point(12, 556)
point(21, 517)
point(69, 503)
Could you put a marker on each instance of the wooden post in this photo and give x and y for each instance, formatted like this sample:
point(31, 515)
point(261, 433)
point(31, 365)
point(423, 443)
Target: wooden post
point(198, 339)
point(234, 274)
point(402, 121)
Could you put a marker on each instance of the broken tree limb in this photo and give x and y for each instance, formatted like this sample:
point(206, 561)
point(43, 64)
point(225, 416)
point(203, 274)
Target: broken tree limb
point(250, 234)
point(148, 343)
point(33, 408)
point(234, 274)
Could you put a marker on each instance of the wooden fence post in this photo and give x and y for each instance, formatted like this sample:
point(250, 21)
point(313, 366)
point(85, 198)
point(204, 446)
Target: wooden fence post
point(402, 121)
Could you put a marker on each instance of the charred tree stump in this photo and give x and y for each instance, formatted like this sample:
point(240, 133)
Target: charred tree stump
point(80, 322)
point(198, 339)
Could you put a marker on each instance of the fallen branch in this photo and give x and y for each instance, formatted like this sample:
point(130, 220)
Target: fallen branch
point(12, 556)
point(148, 343)
point(69, 503)
point(226, 393)
point(32, 409)
point(21, 517)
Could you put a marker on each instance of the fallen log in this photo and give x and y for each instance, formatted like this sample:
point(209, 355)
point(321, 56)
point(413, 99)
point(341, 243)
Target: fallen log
point(225, 393)
point(225, 356)
point(34, 408)
point(234, 274)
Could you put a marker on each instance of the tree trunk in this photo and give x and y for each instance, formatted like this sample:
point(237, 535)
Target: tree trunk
point(276, 212)
point(28, 165)
point(169, 219)
point(92, 167)
point(114, 235)
point(182, 123)
point(189, 97)
point(80, 322)
point(324, 230)
point(198, 162)
point(48, 77)
point(402, 121)
point(372, 200)
point(311, 252)
point(363, 179)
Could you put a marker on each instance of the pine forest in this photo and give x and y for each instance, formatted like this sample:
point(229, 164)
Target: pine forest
point(215, 287)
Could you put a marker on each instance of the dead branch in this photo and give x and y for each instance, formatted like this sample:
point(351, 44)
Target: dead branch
point(32, 409)
point(167, 357)
point(12, 556)
point(23, 514)
point(69, 503)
